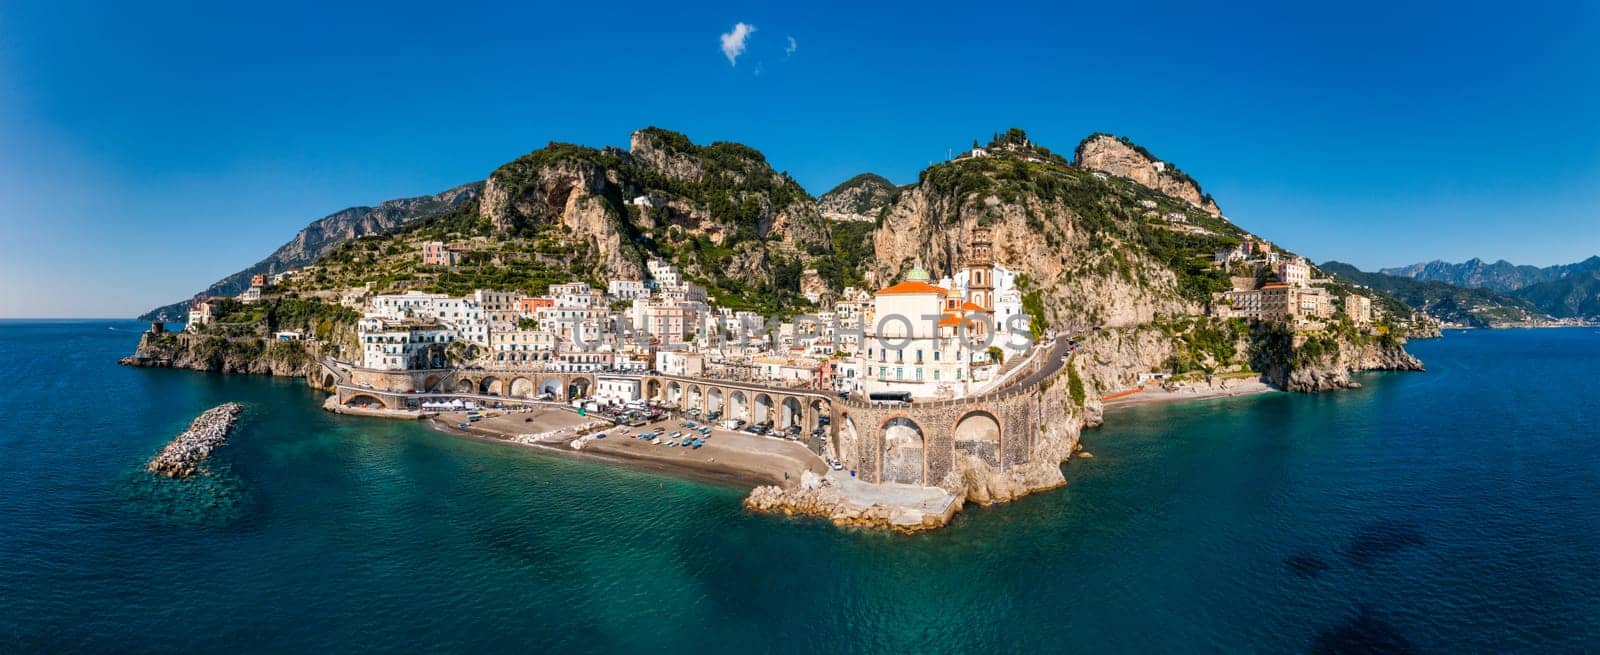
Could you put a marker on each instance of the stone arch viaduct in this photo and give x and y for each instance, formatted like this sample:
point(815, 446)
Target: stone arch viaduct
point(911, 443)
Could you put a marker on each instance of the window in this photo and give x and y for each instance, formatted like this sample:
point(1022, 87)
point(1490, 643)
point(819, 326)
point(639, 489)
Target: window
point(899, 373)
point(919, 373)
point(936, 374)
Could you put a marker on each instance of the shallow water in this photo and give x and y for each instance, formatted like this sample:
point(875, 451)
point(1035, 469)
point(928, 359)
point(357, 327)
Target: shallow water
point(1449, 510)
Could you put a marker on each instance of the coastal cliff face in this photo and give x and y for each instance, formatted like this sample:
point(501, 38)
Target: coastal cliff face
point(1103, 152)
point(218, 354)
point(1332, 372)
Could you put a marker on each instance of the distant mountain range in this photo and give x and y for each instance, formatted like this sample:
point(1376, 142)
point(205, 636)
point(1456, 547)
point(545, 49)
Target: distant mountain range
point(322, 236)
point(1500, 276)
point(1478, 293)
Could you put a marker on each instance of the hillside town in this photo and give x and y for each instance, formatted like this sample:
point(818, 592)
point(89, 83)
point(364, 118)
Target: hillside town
point(918, 339)
point(1268, 286)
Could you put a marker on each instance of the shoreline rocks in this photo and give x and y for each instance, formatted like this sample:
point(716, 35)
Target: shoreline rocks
point(817, 497)
point(181, 457)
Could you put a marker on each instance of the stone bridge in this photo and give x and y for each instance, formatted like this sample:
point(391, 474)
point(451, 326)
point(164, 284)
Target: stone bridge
point(910, 443)
point(392, 389)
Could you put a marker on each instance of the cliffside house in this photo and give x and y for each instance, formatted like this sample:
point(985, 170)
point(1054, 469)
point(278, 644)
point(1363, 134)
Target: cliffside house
point(436, 253)
point(200, 314)
point(1278, 302)
point(1358, 308)
point(1295, 272)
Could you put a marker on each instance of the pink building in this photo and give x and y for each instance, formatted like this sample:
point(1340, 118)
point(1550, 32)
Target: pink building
point(434, 253)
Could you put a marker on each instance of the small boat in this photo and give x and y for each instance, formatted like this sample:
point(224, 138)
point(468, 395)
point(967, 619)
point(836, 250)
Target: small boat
point(462, 425)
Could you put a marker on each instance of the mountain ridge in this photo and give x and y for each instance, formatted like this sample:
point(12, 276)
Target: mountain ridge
point(321, 236)
point(1501, 275)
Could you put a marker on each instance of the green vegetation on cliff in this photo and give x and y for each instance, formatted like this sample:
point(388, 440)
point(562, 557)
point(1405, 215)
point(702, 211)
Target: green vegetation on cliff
point(568, 212)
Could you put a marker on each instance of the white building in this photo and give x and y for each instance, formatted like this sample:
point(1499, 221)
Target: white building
point(400, 345)
point(616, 389)
point(664, 274)
point(907, 352)
point(572, 295)
point(626, 289)
point(681, 363)
point(518, 348)
point(200, 314)
point(464, 315)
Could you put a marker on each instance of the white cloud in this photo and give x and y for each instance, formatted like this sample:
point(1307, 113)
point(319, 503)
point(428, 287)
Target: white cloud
point(788, 50)
point(733, 42)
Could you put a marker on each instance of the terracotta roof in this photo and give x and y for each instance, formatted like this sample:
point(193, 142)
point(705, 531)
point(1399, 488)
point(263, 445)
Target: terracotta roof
point(949, 319)
point(970, 306)
point(911, 287)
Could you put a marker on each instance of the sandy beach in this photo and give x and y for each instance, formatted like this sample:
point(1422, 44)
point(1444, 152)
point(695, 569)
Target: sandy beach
point(727, 456)
point(1224, 388)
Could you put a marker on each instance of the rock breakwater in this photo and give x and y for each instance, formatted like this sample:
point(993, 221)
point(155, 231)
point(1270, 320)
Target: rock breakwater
point(182, 457)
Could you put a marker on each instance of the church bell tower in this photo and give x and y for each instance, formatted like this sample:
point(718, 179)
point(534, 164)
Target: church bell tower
point(980, 270)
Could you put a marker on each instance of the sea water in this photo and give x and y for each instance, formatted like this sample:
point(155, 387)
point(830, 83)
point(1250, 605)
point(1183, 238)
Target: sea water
point(1449, 510)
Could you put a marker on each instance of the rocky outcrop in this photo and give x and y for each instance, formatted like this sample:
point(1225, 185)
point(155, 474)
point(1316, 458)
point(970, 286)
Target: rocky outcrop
point(578, 195)
point(181, 458)
point(1081, 281)
point(324, 235)
point(818, 497)
point(666, 153)
point(666, 191)
point(1332, 372)
point(219, 354)
point(860, 198)
point(1103, 152)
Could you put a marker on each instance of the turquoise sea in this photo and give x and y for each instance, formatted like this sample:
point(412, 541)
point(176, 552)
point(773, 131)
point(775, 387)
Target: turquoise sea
point(1448, 511)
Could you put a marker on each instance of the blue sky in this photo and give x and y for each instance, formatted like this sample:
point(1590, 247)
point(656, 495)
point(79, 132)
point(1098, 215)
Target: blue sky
point(146, 151)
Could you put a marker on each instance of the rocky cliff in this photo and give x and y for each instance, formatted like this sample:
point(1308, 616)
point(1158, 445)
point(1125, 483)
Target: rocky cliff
point(218, 354)
point(1333, 373)
point(1122, 157)
point(719, 211)
point(325, 234)
point(860, 198)
point(1084, 245)
point(1312, 363)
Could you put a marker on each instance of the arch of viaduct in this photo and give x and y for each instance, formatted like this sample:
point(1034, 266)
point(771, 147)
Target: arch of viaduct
point(915, 443)
point(390, 389)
